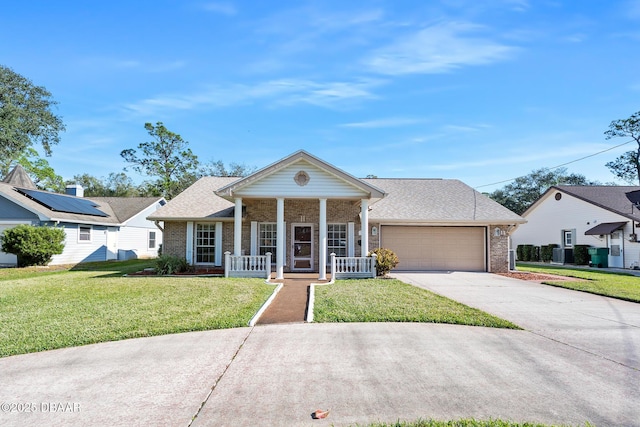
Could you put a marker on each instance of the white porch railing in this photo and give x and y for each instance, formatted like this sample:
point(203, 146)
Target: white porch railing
point(247, 265)
point(353, 267)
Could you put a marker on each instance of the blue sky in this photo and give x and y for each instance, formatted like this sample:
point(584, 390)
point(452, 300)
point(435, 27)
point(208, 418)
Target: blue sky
point(482, 91)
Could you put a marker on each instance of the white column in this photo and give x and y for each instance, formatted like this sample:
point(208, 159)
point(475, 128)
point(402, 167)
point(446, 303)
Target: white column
point(322, 244)
point(364, 219)
point(280, 239)
point(237, 228)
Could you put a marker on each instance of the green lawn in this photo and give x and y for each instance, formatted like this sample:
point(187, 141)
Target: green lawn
point(616, 285)
point(390, 300)
point(49, 308)
point(42, 309)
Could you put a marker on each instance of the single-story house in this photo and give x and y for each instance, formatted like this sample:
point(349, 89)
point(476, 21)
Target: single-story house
point(301, 209)
point(97, 229)
point(597, 216)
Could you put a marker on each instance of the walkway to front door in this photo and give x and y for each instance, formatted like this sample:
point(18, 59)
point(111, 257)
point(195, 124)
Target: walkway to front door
point(290, 305)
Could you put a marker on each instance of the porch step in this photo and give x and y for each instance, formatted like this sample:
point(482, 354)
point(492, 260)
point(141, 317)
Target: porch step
point(290, 305)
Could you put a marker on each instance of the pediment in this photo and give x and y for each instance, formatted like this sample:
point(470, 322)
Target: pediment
point(301, 176)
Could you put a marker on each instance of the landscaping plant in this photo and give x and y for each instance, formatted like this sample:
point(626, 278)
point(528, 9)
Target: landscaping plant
point(33, 245)
point(386, 260)
point(169, 264)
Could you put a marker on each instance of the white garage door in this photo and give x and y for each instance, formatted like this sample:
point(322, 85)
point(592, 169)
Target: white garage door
point(436, 248)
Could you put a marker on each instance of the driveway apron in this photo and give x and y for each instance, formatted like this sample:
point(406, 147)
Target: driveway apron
point(603, 326)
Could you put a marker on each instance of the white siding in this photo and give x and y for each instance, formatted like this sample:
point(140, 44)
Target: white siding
point(136, 240)
point(134, 235)
point(282, 184)
point(76, 252)
point(546, 221)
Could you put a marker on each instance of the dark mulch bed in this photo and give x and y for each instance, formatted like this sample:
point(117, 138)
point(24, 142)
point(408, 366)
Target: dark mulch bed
point(536, 277)
point(200, 271)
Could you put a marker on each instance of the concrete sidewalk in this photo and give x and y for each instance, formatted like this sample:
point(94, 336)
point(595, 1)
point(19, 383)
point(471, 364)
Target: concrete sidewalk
point(276, 375)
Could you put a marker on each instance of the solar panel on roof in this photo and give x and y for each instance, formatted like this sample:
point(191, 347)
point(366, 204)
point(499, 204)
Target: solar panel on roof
point(62, 203)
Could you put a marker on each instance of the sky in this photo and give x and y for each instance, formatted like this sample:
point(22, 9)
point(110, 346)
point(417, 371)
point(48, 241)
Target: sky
point(481, 91)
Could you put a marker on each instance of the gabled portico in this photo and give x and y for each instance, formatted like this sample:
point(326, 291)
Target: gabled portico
point(314, 197)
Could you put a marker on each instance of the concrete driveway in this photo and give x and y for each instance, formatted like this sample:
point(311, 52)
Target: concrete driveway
point(603, 326)
point(276, 375)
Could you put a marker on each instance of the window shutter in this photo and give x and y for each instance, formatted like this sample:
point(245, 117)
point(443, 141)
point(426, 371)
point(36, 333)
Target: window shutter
point(351, 238)
point(218, 253)
point(254, 238)
point(189, 249)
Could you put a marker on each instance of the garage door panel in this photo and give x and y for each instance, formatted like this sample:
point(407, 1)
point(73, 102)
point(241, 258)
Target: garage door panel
point(436, 248)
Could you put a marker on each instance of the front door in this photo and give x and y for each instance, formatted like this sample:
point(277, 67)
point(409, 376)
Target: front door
point(616, 249)
point(302, 247)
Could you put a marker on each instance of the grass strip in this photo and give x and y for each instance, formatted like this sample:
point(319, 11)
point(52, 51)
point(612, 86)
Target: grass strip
point(610, 284)
point(390, 300)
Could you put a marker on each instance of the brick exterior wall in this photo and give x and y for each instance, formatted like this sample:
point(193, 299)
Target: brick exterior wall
point(307, 212)
point(498, 250)
point(174, 240)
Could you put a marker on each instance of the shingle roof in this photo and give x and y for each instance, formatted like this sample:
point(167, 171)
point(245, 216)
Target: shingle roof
point(118, 209)
point(198, 201)
point(610, 197)
point(18, 177)
point(407, 200)
point(436, 201)
point(125, 208)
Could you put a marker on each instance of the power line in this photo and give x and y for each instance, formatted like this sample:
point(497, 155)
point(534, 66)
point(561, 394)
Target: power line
point(564, 164)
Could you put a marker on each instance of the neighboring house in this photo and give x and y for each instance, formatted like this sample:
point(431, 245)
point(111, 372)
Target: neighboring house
point(97, 229)
point(301, 209)
point(598, 216)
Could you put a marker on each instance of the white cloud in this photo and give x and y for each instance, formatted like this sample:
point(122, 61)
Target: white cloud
point(518, 5)
point(277, 92)
point(384, 123)
point(438, 49)
point(107, 63)
point(460, 129)
point(633, 9)
point(220, 7)
point(551, 157)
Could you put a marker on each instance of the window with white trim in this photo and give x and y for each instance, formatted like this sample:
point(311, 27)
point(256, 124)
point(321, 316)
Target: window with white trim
point(267, 233)
point(568, 238)
point(84, 233)
point(152, 240)
point(205, 241)
point(337, 239)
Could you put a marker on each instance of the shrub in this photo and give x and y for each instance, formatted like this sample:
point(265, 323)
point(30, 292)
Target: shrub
point(169, 264)
point(386, 260)
point(535, 254)
point(520, 252)
point(581, 254)
point(33, 245)
point(546, 252)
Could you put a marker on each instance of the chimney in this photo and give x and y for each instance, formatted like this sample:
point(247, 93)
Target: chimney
point(75, 190)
